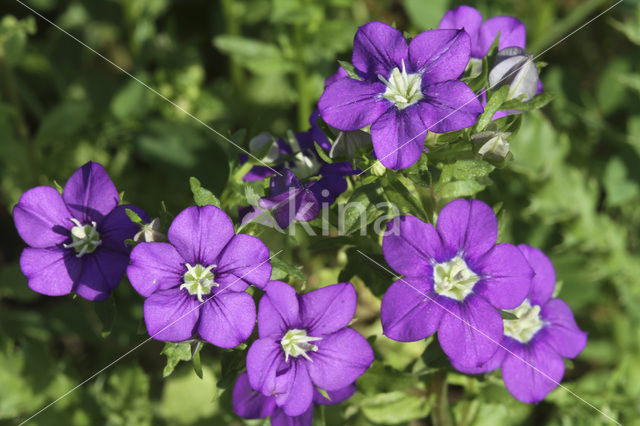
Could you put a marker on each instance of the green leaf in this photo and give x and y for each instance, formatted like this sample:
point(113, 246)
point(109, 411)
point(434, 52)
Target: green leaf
point(323, 155)
point(376, 278)
point(175, 352)
point(133, 216)
point(255, 55)
point(350, 69)
point(536, 102)
point(406, 201)
point(507, 315)
point(195, 359)
point(323, 393)
point(281, 270)
point(620, 189)
point(362, 208)
point(202, 196)
point(494, 103)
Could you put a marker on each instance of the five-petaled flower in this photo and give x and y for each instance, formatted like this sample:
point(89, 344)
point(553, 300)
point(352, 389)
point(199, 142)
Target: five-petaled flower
point(77, 240)
point(404, 92)
point(250, 404)
point(195, 283)
point(544, 331)
point(455, 278)
point(303, 342)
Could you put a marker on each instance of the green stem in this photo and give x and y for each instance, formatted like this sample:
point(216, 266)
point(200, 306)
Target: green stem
point(20, 122)
point(234, 29)
point(302, 80)
point(440, 413)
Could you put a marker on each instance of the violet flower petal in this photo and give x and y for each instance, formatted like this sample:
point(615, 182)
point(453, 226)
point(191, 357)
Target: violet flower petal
point(544, 281)
point(243, 262)
point(470, 332)
point(171, 315)
point(526, 383)
point(350, 104)
point(469, 227)
point(452, 106)
point(467, 18)
point(278, 310)
point(227, 319)
point(200, 233)
point(440, 54)
point(398, 136)
point(410, 245)
point(117, 227)
point(50, 271)
point(328, 309)
point(494, 362)
point(155, 266)
point(513, 33)
point(248, 403)
point(561, 332)
point(377, 49)
point(297, 395)
point(341, 358)
point(42, 218)
point(102, 272)
point(280, 418)
point(90, 194)
point(337, 396)
point(506, 276)
point(263, 361)
point(408, 311)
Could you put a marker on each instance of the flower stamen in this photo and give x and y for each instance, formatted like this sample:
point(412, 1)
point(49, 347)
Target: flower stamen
point(403, 89)
point(296, 342)
point(527, 323)
point(85, 239)
point(199, 280)
point(454, 279)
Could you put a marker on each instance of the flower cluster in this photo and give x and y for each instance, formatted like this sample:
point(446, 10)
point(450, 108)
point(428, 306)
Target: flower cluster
point(456, 280)
point(490, 303)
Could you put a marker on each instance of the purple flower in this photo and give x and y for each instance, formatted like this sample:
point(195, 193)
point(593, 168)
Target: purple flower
point(289, 200)
point(455, 278)
point(303, 342)
point(533, 344)
point(512, 32)
point(195, 283)
point(405, 91)
point(250, 404)
point(77, 240)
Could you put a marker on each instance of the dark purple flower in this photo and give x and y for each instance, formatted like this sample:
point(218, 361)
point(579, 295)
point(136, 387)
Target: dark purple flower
point(289, 200)
point(512, 32)
point(455, 278)
point(303, 342)
point(405, 91)
point(77, 240)
point(340, 74)
point(195, 283)
point(250, 404)
point(533, 344)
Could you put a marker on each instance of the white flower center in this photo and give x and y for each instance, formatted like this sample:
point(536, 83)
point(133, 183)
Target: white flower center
point(198, 280)
point(454, 279)
point(296, 343)
point(402, 89)
point(526, 325)
point(85, 238)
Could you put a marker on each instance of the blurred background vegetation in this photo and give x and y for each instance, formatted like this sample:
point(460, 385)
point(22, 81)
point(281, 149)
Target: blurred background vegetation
point(573, 190)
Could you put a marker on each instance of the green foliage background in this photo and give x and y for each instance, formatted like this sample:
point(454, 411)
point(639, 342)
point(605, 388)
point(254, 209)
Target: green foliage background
point(572, 190)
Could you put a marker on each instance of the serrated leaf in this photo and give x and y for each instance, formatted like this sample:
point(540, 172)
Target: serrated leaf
point(202, 196)
point(281, 270)
point(175, 352)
